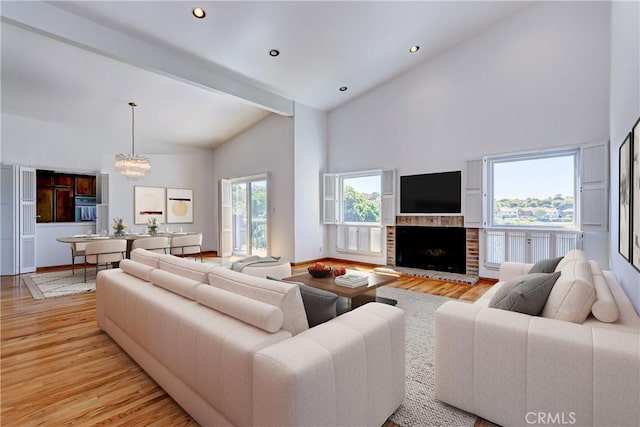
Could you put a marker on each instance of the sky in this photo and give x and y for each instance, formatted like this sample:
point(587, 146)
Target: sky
point(537, 178)
point(365, 184)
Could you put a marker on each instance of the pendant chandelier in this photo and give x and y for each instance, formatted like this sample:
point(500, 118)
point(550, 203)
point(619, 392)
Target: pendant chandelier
point(131, 165)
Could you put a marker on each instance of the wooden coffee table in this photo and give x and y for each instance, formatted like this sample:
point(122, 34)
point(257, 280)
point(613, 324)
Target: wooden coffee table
point(356, 296)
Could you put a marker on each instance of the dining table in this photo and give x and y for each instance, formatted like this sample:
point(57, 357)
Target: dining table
point(129, 237)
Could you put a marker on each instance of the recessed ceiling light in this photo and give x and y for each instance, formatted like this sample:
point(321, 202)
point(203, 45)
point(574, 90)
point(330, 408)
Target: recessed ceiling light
point(274, 52)
point(343, 88)
point(414, 49)
point(198, 12)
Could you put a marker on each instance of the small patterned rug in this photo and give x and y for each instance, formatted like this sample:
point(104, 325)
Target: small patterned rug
point(60, 283)
point(420, 406)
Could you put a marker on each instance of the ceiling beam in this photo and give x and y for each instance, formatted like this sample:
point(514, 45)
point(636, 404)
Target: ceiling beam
point(72, 29)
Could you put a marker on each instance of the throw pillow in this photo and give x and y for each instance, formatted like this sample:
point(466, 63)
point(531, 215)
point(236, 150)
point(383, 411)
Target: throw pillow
point(530, 296)
point(605, 308)
point(507, 286)
point(546, 265)
point(319, 305)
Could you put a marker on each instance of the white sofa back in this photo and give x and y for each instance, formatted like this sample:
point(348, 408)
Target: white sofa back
point(285, 296)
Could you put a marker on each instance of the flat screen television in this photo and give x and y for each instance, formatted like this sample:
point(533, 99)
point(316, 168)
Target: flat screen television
point(431, 193)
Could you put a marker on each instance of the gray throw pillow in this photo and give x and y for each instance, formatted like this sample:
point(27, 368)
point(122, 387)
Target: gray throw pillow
point(546, 265)
point(529, 297)
point(507, 286)
point(319, 305)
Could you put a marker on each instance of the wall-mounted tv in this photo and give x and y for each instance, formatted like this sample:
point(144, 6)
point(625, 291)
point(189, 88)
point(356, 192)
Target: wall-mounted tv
point(431, 193)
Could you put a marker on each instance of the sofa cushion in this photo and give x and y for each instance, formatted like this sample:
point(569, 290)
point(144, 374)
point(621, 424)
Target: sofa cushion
point(507, 286)
point(174, 283)
point(573, 294)
point(319, 305)
point(146, 257)
point(569, 257)
point(280, 294)
point(137, 269)
point(604, 308)
point(546, 265)
point(186, 268)
point(530, 296)
point(259, 314)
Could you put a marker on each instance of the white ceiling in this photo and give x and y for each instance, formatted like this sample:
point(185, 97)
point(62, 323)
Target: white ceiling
point(323, 45)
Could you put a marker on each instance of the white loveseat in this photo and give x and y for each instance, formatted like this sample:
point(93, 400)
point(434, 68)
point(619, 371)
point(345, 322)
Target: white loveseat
point(234, 349)
point(516, 369)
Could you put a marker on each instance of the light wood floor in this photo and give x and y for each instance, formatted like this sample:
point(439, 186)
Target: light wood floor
point(58, 368)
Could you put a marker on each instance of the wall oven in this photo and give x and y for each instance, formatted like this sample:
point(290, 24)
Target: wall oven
point(85, 208)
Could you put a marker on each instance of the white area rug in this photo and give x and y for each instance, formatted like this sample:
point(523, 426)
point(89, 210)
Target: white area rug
point(60, 283)
point(420, 406)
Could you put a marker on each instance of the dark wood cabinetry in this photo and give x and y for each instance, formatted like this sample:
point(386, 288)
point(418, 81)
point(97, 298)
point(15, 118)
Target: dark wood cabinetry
point(57, 192)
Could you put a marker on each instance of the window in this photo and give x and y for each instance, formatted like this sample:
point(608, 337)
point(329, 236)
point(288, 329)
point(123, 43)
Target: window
point(360, 198)
point(536, 190)
point(359, 203)
point(536, 205)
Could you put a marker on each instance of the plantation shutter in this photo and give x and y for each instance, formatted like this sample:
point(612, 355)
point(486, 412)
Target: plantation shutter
point(329, 198)
point(102, 206)
point(388, 198)
point(473, 195)
point(594, 184)
point(27, 220)
point(226, 219)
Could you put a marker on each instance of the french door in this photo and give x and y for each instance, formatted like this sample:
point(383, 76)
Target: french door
point(249, 216)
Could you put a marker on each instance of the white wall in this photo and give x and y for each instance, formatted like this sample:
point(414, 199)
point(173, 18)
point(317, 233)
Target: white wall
point(53, 146)
point(625, 110)
point(310, 158)
point(538, 79)
point(267, 147)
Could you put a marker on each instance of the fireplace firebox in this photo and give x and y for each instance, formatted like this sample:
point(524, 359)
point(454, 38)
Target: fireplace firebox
point(431, 248)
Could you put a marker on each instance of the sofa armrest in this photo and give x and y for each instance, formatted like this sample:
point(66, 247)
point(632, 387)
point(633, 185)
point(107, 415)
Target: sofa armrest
point(509, 270)
point(502, 365)
point(348, 371)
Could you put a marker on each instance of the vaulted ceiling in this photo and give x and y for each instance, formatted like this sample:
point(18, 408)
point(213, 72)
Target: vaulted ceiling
point(199, 82)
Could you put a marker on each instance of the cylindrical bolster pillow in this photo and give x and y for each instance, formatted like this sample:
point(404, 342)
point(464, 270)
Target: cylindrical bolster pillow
point(605, 308)
point(137, 269)
point(174, 283)
point(257, 313)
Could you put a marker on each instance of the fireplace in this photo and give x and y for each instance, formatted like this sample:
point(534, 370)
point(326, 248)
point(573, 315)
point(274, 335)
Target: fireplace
point(431, 248)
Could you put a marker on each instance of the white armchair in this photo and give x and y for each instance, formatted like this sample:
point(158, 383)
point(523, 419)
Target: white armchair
point(104, 252)
point(191, 244)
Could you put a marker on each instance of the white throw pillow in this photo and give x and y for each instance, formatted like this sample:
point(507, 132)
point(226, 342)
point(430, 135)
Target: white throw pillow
point(605, 308)
point(573, 293)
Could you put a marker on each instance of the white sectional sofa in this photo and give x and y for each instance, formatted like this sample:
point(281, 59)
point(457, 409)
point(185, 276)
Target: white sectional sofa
point(563, 367)
point(234, 349)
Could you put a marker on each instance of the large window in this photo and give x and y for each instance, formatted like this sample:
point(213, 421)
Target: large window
point(359, 204)
point(536, 190)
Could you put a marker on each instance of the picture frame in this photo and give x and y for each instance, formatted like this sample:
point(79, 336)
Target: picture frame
point(624, 199)
point(148, 203)
point(179, 206)
point(635, 195)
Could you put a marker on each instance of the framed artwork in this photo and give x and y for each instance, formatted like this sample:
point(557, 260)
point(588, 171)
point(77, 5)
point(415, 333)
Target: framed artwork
point(635, 195)
point(148, 203)
point(624, 202)
point(179, 206)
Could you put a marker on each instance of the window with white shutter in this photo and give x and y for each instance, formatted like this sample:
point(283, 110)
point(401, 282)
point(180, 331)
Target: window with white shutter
point(359, 204)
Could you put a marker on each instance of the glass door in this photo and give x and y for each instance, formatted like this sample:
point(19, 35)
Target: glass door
point(249, 207)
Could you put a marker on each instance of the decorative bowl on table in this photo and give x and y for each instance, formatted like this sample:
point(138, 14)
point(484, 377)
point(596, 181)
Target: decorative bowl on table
point(319, 271)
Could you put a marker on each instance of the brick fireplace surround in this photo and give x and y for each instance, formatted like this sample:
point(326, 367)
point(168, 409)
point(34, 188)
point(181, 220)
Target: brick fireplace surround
point(472, 234)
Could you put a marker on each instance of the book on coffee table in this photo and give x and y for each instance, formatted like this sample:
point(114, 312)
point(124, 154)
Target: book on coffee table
point(352, 280)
